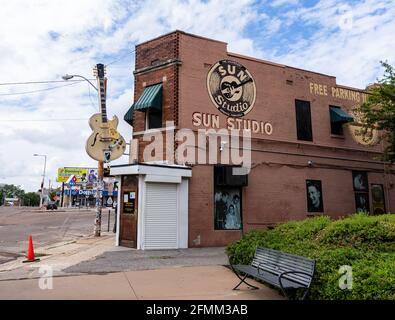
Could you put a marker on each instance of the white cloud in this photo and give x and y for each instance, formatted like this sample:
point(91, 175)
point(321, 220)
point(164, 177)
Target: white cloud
point(351, 50)
point(279, 3)
point(45, 39)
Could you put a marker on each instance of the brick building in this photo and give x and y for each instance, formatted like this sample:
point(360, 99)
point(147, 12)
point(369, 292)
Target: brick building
point(306, 154)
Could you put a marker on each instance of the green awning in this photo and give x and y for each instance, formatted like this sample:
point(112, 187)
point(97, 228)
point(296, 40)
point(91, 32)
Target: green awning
point(151, 98)
point(338, 115)
point(128, 117)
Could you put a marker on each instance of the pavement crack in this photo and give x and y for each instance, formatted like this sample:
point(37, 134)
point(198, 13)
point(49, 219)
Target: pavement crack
point(134, 292)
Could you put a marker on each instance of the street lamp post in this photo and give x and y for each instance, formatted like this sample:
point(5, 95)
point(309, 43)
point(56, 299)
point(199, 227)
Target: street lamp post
point(100, 168)
point(42, 183)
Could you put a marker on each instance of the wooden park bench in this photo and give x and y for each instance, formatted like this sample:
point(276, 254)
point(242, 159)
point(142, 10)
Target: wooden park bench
point(286, 271)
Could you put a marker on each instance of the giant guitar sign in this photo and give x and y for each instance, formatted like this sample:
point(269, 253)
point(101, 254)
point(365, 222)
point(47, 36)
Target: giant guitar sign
point(105, 143)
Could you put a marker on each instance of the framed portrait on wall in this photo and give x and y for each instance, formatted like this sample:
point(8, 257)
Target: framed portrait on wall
point(362, 202)
point(315, 202)
point(378, 199)
point(360, 181)
point(227, 208)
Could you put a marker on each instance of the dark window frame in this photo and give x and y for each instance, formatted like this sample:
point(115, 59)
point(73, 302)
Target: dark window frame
point(361, 191)
point(372, 186)
point(304, 127)
point(223, 187)
point(337, 127)
point(150, 120)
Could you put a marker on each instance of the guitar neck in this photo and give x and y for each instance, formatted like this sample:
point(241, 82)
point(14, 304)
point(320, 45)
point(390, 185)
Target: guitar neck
point(102, 98)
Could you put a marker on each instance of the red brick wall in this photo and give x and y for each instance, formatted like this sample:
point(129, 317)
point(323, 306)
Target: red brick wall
point(276, 190)
point(148, 55)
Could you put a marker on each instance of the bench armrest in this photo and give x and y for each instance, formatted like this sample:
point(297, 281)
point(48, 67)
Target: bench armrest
point(259, 267)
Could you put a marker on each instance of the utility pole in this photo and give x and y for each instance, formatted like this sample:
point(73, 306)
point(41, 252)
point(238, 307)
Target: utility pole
point(101, 85)
point(99, 194)
point(42, 183)
point(101, 126)
point(62, 196)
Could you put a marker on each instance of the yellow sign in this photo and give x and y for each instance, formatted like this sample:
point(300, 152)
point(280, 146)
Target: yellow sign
point(336, 92)
point(82, 174)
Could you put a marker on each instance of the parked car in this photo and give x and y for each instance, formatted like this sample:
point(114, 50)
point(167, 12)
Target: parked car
point(52, 206)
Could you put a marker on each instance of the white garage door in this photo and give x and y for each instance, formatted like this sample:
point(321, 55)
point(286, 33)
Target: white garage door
point(160, 216)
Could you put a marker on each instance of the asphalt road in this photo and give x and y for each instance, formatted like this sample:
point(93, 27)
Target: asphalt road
point(46, 227)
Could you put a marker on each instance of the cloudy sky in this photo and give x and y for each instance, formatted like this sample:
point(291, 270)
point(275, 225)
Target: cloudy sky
point(43, 39)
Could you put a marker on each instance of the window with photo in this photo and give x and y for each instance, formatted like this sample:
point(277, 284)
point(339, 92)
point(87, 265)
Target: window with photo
point(227, 198)
point(362, 202)
point(315, 202)
point(361, 191)
point(227, 208)
point(378, 199)
point(360, 181)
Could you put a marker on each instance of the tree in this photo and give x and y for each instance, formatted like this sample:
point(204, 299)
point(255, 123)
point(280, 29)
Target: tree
point(10, 191)
point(378, 112)
point(31, 199)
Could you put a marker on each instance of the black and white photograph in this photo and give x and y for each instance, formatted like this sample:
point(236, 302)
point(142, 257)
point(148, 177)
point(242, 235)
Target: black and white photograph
point(362, 202)
point(314, 196)
point(360, 181)
point(227, 209)
point(378, 199)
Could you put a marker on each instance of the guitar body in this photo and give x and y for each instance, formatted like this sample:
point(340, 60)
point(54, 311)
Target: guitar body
point(105, 137)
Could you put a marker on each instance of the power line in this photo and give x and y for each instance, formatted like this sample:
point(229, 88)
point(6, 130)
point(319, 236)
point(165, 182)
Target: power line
point(38, 82)
point(40, 120)
point(40, 90)
point(122, 57)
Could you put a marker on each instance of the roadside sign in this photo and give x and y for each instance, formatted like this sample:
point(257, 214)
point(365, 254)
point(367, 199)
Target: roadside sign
point(72, 180)
point(109, 202)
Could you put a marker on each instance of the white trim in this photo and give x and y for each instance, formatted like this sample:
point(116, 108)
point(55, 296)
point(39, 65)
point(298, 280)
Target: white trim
point(182, 192)
point(119, 203)
point(165, 170)
point(162, 178)
point(140, 217)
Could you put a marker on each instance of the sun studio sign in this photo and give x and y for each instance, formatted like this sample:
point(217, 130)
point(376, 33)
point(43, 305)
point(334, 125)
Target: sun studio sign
point(231, 88)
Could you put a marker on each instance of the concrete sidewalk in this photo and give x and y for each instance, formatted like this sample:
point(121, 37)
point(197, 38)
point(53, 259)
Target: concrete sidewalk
point(178, 283)
point(59, 256)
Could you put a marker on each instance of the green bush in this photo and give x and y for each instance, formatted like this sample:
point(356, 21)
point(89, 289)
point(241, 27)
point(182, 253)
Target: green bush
point(367, 243)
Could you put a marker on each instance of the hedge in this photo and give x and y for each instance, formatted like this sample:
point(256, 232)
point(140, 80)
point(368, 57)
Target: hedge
point(367, 243)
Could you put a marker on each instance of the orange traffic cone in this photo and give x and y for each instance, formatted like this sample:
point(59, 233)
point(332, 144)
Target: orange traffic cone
point(30, 251)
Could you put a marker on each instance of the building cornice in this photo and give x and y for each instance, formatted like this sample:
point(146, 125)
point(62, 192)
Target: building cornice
point(158, 66)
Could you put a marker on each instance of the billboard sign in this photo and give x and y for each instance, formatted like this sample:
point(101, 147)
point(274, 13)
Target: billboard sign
point(83, 175)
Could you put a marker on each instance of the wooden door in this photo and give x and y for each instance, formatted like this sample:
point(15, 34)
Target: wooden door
point(129, 212)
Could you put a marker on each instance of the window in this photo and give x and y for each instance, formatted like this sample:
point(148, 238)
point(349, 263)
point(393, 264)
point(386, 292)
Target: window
point(378, 200)
point(227, 199)
point(338, 119)
point(315, 202)
point(361, 191)
point(303, 120)
point(153, 118)
point(336, 127)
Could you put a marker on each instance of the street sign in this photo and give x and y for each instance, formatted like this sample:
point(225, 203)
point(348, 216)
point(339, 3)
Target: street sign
point(109, 202)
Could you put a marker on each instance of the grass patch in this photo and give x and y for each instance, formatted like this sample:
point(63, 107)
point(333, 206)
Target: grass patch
point(367, 243)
